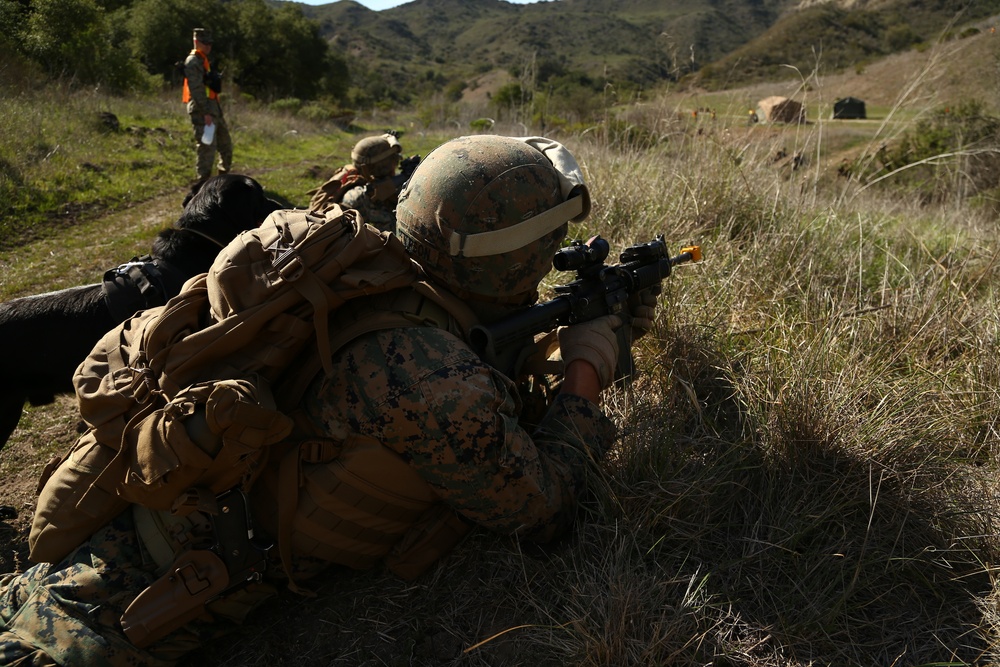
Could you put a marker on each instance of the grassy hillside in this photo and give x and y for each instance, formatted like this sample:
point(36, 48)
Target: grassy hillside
point(841, 38)
point(76, 159)
point(444, 47)
point(637, 42)
point(807, 467)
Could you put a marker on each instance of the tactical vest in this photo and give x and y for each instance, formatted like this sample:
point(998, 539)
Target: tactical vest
point(212, 95)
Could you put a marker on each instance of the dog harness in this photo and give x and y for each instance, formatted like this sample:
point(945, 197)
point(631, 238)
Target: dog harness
point(144, 282)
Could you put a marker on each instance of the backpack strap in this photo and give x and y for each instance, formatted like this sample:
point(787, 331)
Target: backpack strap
point(422, 306)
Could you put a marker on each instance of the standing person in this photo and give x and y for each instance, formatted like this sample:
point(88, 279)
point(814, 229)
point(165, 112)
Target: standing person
point(427, 438)
point(202, 86)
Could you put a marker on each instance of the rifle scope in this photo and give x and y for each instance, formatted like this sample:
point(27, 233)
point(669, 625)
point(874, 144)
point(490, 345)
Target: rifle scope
point(578, 255)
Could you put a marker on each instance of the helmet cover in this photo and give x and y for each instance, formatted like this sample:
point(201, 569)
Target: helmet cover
point(476, 184)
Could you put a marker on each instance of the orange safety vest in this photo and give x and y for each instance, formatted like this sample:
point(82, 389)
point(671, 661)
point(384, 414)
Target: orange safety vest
point(212, 95)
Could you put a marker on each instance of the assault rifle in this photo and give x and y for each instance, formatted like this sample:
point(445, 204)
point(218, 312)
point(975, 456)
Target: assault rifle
point(598, 290)
point(406, 169)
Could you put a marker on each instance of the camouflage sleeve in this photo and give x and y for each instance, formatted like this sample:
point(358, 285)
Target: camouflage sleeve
point(355, 198)
point(194, 72)
point(428, 397)
point(69, 613)
point(378, 216)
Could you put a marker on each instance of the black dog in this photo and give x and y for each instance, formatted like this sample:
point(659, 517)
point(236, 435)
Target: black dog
point(45, 337)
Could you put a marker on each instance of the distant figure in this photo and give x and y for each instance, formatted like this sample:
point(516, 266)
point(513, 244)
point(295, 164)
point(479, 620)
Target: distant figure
point(370, 184)
point(376, 158)
point(202, 86)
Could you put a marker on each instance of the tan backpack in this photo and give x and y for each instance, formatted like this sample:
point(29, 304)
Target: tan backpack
point(178, 399)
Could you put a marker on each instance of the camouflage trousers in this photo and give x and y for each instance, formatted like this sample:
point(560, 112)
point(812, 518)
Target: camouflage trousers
point(221, 145)
point(68, 614)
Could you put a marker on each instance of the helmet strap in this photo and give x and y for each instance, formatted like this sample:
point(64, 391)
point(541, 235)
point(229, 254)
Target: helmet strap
point(517, 236)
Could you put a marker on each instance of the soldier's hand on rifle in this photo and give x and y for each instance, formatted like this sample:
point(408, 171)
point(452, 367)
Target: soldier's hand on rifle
point(594, 342)
point(642, 308)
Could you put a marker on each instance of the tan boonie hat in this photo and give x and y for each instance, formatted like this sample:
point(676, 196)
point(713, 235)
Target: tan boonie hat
point(203, 36)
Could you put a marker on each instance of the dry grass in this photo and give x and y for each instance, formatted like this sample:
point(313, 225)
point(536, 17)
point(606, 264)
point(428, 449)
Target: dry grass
point(806, 473)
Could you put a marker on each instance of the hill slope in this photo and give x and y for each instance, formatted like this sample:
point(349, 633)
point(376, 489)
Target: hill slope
point(433, 46)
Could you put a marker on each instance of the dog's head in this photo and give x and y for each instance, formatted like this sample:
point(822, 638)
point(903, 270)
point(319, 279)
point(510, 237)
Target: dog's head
point(227, 205)
point(218, 211)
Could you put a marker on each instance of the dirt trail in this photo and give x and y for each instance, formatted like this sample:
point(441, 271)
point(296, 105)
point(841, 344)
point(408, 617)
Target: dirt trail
point(80, 253)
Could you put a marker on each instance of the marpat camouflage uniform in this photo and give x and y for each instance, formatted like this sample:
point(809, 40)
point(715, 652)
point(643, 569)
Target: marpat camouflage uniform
point(68, 614)
point(200, 105)
point(378, 214)
point(419, 391)
point(424, 394)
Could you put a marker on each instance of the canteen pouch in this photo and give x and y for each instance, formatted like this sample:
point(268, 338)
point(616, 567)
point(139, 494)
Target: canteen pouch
point(211, 435)
point(176, 598)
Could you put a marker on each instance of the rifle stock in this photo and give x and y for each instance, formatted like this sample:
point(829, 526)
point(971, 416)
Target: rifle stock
point(599, 289)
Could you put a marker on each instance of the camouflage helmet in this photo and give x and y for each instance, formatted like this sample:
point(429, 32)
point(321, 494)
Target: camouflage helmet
point(374, 155)
point(484, 214)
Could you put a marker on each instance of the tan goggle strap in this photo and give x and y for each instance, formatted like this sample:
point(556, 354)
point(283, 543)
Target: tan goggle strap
point(505, 240)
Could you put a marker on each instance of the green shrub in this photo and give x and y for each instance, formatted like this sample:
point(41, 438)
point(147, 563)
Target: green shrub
point(953, 152)
point(482, 125)
point(289, 105)
point(319, 112)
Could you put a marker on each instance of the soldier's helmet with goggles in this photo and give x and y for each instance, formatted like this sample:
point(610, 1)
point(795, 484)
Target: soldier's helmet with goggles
point(485, 214)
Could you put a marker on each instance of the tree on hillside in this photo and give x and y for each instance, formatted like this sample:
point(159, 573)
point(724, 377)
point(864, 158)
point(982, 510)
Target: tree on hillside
point(161, 30)
point(77, 39)
point(282, 54)
point(12, 19)
point(269, 52)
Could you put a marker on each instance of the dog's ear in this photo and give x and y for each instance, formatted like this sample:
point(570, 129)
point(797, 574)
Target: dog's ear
point(195, 189)
point(167, 244)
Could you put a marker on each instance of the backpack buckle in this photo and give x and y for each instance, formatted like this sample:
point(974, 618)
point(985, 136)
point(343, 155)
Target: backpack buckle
point(285, 260)
point(320, 450)
point(143, 383)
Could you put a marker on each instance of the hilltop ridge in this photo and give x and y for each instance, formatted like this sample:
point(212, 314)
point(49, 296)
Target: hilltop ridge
point(427, 46)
